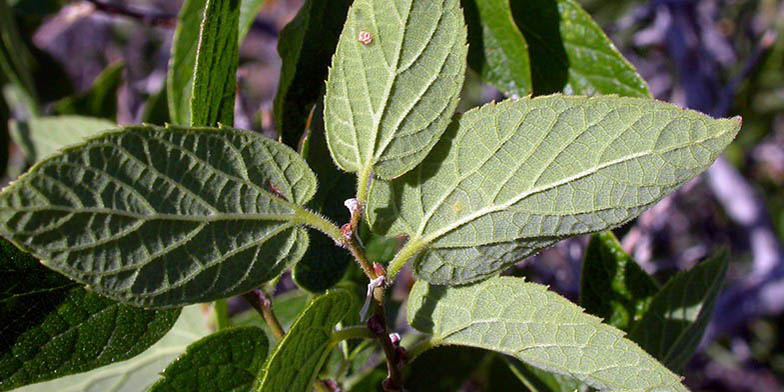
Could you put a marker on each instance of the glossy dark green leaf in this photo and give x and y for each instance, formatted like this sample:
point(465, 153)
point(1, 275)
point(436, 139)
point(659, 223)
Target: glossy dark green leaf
point(51, 327)
point(324, 264)
point(497, 50)
point(570, 53)
point(306, 46)
point(98, 101)
point(613, 286)
point(229, 360)
point(215, 70)
point(672, 327)
point(299, 356)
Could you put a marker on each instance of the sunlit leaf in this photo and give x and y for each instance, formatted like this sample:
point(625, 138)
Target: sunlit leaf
point(40, 137)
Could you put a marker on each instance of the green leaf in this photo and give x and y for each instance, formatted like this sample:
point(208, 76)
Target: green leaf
point(613, 287)
point(443, 368)
point(299, 356)
point(215, 70)
point(538, 327)
point(569, 52)
point(139, 372)
point(52, 327)
point(228, 360)
point(305, 46)
point(249, 9)
point(497, 50)
point(388, 101)
point(324, 264)
point(179, 80)
point(41, 137)
point(512, 178)
point(164, 216)
point(156, 109)
point(537, 380)
point(100, 100)
point(672, 327)
point(16, 61)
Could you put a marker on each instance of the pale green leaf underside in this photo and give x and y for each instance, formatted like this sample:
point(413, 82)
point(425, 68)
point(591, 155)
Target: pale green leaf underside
point(43, 136)
point(511, 178)
point(139, 372)
point(163, 216)
point(539, 327)
point(388, 101)
point(676, 319)
point(299, 356)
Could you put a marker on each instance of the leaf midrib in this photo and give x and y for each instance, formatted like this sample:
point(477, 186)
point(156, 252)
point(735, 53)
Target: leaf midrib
point(164, 216)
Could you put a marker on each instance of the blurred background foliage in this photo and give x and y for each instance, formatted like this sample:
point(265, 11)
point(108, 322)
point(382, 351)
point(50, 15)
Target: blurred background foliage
point(724, 57)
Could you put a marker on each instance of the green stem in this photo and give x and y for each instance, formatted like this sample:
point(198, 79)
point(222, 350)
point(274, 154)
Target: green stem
point(400, 259)
point(221, 309)
point(355, 332)
point(421, 347)
point(260, 301)
point(363, 180)
point(318, 222)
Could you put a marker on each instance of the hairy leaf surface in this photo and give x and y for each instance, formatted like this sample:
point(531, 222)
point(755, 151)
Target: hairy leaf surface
point(672, 327)
point(139, 372)
point(509, 179)
point(570, 53)
point(164, 216)
point(390, 98)
point(305, 46)
point(539, 327)
point(497, 49)
point(215, 70)
point(299, 356)
point(40, 137)
point(613, 287)
point(51, 327)
point(225, 361)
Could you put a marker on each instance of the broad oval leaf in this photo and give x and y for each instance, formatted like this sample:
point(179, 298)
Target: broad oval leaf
point(52, 327)
point(540, 328)
point(612, 285)
point(40, 137)
point(570, 53)
point(391, 94)
point(228, 360)
point(676, 319)
point(509, 179)
point(215, 69)
point(139, 372)
point(497, 49)
point(164, 216)
point(299, 356)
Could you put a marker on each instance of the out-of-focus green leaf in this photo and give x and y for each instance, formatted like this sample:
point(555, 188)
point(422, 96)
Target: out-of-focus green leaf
point(570, 53)
point(156, 109)
point(225, 361)
point(100, 100)
point(299, 356)
point(443, 368)
point(306, 46)
point(538, 327)
point(164, 217)
point(215, 70)
point(497, 50)
point(139, 372)
point(51, 327)
point(249, 9)
point(613, 287)
point(672, 327)
point(536, 380)
point(16, 62)
point(41, 137)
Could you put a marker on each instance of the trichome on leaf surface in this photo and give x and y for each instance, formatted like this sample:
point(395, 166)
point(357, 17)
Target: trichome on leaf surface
point(152, 217)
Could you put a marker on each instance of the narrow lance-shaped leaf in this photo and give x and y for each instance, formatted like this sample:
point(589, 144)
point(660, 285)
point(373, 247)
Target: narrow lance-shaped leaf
point(538, 327)
point(299, 356)
point(509, 179)
point(179, 80)
point(305, 46)
point(613, 287)
point(164, 216)
point(497, 50)
point(394, 83)
point(672, 327)
point(249, 9)
point(40, 137)
point(15, 59)
point(228, 360)
point(215, 70)
point(100, 100)
point(570, 53)
point(52, 327)
point(138, 373)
